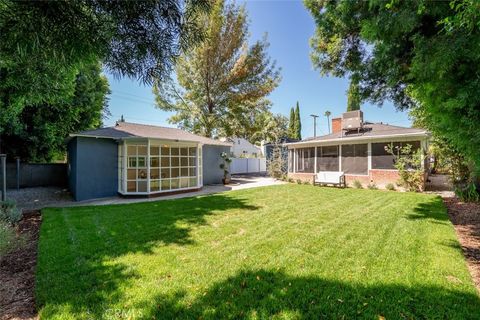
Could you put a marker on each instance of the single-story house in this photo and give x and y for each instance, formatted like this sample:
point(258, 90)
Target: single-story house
point(356, 148)
point(133, 159)
point(241, 147)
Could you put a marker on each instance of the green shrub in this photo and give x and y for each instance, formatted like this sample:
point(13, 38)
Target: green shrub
point(467, 193)
point(409, 165)
point(306, 182)
point(390, 186)
point(9, 239)
point(299, 181)
point(9, 212)
point(372, 186)
point(290, 180)
point(357, 184)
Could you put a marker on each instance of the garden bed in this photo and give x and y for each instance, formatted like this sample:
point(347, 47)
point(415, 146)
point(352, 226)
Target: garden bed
point(17, 272)
point(466, 219)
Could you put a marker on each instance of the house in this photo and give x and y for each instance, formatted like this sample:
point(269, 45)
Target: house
point(356, 148)
point(243, 148)
point(133, 159)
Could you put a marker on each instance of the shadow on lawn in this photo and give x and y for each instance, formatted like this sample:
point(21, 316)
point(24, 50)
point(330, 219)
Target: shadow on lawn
point(434, 210)
point(265, 294)
point(88, 279)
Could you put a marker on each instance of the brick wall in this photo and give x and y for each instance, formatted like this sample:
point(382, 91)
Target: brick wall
point(301, 176)
point(336, 125)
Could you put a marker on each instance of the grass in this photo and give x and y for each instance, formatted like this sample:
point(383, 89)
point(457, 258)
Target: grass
point(284, 252)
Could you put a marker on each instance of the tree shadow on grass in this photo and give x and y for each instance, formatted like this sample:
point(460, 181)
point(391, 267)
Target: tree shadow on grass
point(433, 210)
point(265, 294)
point(76, 272)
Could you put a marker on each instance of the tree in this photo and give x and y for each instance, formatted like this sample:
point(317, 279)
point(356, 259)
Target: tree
point(44, 128)
point(45, 44)
point(291, 124)
point(221, 85)
point(353, 97)
point(415, 53)
point(298, 123)
point(328, 114)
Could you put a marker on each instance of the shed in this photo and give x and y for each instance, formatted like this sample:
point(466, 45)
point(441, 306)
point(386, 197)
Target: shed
point(134, 159)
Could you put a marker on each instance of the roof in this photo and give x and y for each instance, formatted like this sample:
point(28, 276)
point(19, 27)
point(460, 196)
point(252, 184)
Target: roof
point(369, 131)
point(126, 130)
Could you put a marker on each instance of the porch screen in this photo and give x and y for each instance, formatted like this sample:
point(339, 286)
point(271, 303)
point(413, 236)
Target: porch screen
point(290, 160)
point(305, 159)
point(355, 158)
point(381, 159)
point(327, 158)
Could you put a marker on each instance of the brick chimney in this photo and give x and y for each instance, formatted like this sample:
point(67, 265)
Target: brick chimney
point(336, 125)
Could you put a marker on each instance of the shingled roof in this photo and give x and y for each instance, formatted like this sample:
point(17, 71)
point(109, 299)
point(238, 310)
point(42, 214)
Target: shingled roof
point(126, 130)
point(369, 131)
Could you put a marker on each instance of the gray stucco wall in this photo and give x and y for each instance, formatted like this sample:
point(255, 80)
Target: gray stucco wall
point(93, 168)
point(212, 174)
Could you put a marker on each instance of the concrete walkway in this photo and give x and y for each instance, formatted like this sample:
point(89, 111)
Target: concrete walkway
point(37, 198)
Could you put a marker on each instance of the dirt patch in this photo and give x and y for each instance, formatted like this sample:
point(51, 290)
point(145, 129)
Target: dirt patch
point(466, 219)
point(17, 273)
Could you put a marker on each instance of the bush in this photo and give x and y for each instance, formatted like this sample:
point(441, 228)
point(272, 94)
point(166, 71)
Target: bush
point(9, 212)
point(372, 186)
point(299, 181)
point(467, 193)
point(8, 238)
point(290, 180)
point(409, 166)
point(306, 182)
point(357, 184)
point(390, 186)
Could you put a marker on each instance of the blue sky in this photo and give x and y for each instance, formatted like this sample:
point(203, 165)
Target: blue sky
point(289, 27)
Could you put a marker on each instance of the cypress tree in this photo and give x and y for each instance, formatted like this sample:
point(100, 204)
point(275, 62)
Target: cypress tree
point(298, 123)
point(291, 124)
point(353, 97)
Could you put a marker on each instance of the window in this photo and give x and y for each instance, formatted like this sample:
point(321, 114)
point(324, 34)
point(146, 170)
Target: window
point(305, 160)
point(162, 168)
point(327, 158)
point(381, 159)
point(355, 158)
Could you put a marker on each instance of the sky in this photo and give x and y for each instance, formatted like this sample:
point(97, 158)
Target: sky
point(289, 27)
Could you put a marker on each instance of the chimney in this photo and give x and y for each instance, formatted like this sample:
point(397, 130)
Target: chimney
point(336, 125)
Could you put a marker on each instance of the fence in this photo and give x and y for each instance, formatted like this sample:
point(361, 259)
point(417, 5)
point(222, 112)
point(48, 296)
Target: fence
point(37, 175)
point(248, 165)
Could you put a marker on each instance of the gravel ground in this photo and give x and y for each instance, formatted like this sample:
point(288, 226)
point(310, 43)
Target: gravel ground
point(37, 198)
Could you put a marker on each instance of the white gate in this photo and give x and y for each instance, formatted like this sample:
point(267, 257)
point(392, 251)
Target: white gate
point(248, 165)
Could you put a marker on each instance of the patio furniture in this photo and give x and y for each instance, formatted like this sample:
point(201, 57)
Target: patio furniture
point(330, 177)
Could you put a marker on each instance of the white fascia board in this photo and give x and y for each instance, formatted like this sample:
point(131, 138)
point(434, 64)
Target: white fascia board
point(424, 134)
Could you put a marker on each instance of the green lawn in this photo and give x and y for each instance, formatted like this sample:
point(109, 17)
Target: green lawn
point(285, 252)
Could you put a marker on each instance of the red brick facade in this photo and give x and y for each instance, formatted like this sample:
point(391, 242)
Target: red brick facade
point(379, 177)
point(336, 125)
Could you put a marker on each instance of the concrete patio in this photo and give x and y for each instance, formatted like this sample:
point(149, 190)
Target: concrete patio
point(37, 198)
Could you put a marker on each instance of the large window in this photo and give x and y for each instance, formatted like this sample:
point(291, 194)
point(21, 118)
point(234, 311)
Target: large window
point(156, 168)
point(381, 159)
point(305, 159)
point(327, 158)
point(355, 158)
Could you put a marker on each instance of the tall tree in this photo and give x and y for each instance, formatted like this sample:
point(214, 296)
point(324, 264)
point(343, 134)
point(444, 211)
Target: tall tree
point(44, 128)
point(421, 54)
point(328, 114)
point(291, 124)
point(353, 97)
point(222, 84)
point(45, 44)
point(298, 123)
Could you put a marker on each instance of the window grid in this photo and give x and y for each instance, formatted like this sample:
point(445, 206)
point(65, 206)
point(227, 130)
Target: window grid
point(168, 167)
